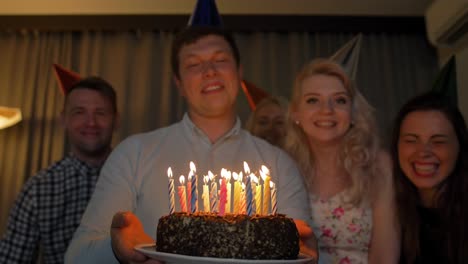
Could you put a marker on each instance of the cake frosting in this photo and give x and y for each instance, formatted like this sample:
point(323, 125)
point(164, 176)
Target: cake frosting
point(230, 236)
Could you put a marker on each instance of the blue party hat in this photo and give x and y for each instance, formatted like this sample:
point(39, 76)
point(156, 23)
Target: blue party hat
point(205, 14)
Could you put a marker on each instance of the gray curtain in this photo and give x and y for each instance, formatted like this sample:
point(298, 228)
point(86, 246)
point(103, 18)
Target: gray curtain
point(392, 68)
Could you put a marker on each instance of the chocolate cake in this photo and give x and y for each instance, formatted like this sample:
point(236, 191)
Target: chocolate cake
point(229, 236)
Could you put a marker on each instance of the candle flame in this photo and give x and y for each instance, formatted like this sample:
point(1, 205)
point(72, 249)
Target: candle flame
point(263, 175)
point(210, 175)
point(182, 179)
point(243, 186)
point(228, 175)
point(169, 172)
point(265, 169)
point(272, 185)
point(206, 179)
point(190, 175)
point(246, 168)
point(254, 178)
point(240, 176)
point(235, 176)
point(192, 167)
point(224, 173)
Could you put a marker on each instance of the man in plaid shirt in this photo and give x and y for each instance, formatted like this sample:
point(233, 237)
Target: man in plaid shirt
point(49, 207)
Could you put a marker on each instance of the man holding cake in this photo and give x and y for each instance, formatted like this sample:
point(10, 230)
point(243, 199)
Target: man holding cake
point(132, 189)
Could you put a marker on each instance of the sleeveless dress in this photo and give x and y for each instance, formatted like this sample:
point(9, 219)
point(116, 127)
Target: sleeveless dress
point(343, 231)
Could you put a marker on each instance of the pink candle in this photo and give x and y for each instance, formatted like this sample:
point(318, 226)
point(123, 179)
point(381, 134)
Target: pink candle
point(228, 194)
point(182, 195)
point(222, 196)
point(171, 191)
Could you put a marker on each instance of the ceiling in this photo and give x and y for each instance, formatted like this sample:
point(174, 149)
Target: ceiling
point(235, 7)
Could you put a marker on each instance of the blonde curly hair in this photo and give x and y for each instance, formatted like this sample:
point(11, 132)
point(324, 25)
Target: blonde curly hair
point(360, 145)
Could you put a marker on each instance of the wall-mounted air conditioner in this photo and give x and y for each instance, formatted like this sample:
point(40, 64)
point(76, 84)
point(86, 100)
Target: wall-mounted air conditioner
point(447, 23)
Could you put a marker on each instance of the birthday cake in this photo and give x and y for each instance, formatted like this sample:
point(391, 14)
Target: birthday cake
point(230, 236)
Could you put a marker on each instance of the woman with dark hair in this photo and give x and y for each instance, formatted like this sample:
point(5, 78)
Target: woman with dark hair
point(430, 151)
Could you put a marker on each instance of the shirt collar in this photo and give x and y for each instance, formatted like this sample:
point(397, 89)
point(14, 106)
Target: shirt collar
point(81, 165)
point(193, 131)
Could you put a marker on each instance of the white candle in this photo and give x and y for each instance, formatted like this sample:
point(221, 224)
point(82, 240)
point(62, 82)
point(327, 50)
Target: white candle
point(171, 191)
point(274, 207)
point(213, 193)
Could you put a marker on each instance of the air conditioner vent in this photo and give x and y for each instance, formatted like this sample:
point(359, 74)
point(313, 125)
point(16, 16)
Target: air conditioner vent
point(447, 23)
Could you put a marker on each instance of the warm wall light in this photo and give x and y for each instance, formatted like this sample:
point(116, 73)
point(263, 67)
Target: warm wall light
point(9, 116)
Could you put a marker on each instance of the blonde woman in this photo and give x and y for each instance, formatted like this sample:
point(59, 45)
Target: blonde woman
point(268, 120)
point(331, 133)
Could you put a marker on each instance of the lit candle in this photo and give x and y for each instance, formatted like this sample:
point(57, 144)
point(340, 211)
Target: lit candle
point(248, 189)
point(257, 193)
point(189, 192)
point(182, 194)
point(274, 207)
point(237, 192)
point(213, 193)
point(194, 195)
point(206, 194)
point(242, 200)
point(222, 193)
point(228, 194)
point(266, 189)
point(171, 191)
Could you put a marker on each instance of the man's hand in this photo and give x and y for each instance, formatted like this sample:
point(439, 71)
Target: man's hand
point(308, 242)
point(127, 232)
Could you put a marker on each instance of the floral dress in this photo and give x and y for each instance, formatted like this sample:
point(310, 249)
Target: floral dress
point(343, 231)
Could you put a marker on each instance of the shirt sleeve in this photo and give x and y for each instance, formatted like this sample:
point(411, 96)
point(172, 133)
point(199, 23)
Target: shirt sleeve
point(114, 192)
point(21, 239)
point(292, 196)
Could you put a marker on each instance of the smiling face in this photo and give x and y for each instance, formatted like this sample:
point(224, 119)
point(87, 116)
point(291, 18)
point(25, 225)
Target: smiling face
point(89, 120)
point(427, 150)
point(269, 123)
point(323, 109)
point(209, 77)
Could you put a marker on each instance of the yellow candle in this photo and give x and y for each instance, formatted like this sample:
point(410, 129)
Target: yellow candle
point(257, 189)
point(206, 195)
point(243, 204)
point(237, 192)
point(266, 189)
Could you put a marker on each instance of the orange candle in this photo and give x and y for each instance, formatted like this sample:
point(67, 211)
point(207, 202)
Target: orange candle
point(182, 194)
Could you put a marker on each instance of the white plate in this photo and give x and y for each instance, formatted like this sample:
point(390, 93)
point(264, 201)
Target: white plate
point(150, 251)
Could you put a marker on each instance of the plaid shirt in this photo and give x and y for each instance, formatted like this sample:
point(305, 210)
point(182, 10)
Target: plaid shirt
point(47, 212)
